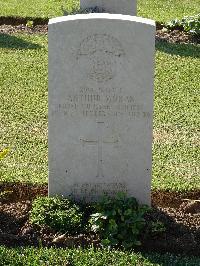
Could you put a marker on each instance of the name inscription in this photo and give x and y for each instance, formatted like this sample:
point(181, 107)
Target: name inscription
point(104, 102)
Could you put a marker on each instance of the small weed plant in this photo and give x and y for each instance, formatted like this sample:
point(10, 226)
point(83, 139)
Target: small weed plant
point(157, 228)
point(3, 153)
point(119, 221)
point(58, 213)
point(189, 24)
point(29, 24)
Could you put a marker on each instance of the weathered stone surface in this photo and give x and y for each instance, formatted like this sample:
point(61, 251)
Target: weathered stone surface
point(125, 7)
point(100, 105)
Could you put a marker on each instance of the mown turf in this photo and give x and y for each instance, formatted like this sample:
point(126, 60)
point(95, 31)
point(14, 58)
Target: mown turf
point(23, 112)
point(160, 10)
point(88, 257)
point(37, 8)
point(165, 10)
point(176, 117)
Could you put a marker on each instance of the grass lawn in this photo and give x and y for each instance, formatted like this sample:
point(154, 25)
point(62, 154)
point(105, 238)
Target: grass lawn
point(160, 10)
point(176, 154)
point(37, 8)
point(23, 112)
point(166, 10)
point(88, 257)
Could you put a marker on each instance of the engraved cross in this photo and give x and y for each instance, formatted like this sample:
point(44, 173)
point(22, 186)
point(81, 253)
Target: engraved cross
point(99, 142)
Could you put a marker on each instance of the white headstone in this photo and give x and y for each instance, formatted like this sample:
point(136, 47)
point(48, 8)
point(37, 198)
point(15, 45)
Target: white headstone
point(101, 69)
point(125, 7)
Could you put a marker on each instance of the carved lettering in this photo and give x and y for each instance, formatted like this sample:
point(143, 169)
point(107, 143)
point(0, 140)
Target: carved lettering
point(100, 102)
point(93, 191)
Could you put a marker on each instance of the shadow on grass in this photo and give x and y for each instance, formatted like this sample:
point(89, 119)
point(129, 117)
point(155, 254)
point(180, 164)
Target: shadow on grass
point(13, 42)
point(184, 50)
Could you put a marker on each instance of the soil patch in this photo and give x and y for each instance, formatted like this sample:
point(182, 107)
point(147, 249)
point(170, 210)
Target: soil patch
point(174, 36)
point(178, 212)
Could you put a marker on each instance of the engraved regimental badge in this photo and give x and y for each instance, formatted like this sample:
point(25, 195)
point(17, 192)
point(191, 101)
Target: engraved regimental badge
point(99, 56)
